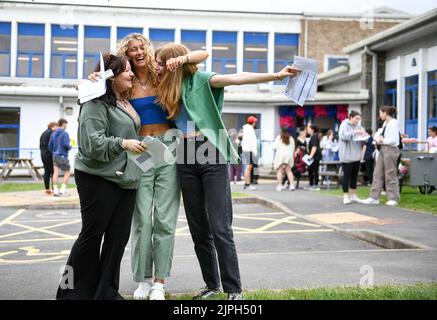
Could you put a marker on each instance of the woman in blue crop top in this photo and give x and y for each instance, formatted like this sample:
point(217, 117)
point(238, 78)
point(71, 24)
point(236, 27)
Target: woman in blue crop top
point(157, 202)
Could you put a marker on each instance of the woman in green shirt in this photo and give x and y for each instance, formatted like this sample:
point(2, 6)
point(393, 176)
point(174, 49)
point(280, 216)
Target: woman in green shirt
point(194, 100)
point(106, 182)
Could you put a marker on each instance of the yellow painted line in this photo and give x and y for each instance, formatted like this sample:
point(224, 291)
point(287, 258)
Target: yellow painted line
point(274, 223)
point(31, 261)
point(32, 251)
point(39, 240)
point(274, 232)
point(2, 254)
point(41, 230)
point(243, 229)
point(12, 217)
point(303, 224)
point(261, 214)
point(258, 218)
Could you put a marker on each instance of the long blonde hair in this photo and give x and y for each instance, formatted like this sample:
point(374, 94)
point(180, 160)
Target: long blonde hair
point(169, 89)
point(149, 54)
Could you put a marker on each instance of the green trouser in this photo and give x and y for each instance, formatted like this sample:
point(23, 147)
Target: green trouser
point(154, 222)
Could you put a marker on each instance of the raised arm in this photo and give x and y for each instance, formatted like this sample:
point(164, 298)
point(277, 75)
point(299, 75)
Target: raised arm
point(193, 57)
point(223, 80)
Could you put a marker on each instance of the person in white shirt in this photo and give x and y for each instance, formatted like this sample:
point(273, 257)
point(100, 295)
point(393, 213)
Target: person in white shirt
point(284, 158)
point(249, 146)
point(386, 169)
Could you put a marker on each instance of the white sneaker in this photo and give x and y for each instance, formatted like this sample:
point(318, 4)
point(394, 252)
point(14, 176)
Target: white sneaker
point(250, 188)
point(392, 203)
point(279, 188)
point(383, 193)
point(143, 291)
point(354, 198)
point(157, 292)
point(370, 201)
point(346, 200)
point(292, 187)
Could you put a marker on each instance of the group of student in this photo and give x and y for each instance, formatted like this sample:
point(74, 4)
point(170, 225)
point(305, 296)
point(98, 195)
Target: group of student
point(54, 145)
point(155, 93)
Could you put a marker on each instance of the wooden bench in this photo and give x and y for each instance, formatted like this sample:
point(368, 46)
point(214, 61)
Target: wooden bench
point(20, 163)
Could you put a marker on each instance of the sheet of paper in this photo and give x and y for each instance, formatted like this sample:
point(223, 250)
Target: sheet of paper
point(89, 90)
point(303, 86)
point(307, 160)
point(156, 155)
point(361, 137)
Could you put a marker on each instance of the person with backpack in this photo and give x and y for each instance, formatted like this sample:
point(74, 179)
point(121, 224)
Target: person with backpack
point(386, 168)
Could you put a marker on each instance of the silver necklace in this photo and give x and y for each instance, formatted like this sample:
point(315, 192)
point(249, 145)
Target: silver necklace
point(143, 85)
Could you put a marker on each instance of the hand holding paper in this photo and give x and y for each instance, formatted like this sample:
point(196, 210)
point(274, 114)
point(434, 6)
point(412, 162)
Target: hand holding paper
point(303, 86)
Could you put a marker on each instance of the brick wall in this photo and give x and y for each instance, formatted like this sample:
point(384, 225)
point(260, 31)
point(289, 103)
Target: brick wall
point(331, 36)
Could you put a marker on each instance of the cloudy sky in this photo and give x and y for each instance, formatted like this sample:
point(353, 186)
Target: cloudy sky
point(297, 6)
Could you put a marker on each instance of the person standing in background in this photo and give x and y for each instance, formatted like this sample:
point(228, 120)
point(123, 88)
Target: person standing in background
point(350, 155)
point(316, 155)
point(249, 146)
point(432, 139)
point(59, 145)
point(47, 156)
point(284, 158)
point(368, 157)
point(235, 168)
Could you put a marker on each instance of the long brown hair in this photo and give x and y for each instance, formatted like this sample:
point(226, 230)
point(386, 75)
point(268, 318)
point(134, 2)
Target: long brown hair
point(285, 136)
point(169, 90)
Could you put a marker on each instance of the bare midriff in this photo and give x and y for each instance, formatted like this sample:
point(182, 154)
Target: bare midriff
point(154, 129)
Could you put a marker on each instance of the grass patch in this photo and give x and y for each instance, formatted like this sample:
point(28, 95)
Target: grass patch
point(411, 198)
point(386, 292)
point(15, 187)
point(240, 195)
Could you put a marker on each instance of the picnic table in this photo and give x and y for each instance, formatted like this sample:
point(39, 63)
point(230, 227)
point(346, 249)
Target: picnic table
point(16, 163)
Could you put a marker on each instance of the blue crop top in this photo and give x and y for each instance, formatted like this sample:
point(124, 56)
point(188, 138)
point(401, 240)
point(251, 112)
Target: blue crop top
point(149, 111)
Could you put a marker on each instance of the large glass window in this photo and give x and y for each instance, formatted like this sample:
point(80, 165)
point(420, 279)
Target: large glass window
point(30, 55)
point(64, 52)
point(97, 39)
point(286, 47)
point(255, 52)
point(5, 48)
point(432, 98)
point(224, 52)
point(194, 40)
point(123, 32)
point(411, 104)
point(335, 62)
point(160, 37)
point(9, 132)
point(390, 93)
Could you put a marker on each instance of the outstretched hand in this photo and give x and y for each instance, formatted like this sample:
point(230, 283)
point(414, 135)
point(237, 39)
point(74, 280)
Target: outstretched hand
point(288, 71)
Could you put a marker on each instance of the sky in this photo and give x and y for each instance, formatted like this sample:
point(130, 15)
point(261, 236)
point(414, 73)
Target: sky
point(286, 6)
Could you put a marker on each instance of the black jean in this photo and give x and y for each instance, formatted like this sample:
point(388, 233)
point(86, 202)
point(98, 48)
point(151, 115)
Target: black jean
point(208, 206)
point(106, 211)
point(370, 164)
point(313, 173)
point(350, 175)
point(47, 161)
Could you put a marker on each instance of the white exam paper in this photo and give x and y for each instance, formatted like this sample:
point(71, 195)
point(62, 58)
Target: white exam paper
point(308, 161)
point(89, 90)
point(156, 154)
point(303, 86)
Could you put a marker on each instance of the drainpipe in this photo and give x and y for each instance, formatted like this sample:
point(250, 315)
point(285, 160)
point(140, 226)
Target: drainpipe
point(61, 106)
point(374, 84)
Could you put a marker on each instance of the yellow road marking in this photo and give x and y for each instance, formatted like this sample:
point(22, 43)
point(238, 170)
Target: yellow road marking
point(39, 240)
point(40, 230)
point(32, 251)
point(274, 223)
point(12, 217)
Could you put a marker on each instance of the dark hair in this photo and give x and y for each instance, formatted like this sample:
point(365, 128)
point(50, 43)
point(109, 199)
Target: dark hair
point(388, 110)
point(52, 124)
point(433, 129)
point(353, 114)
point(118, 65)
point(369, 132)
point(61, 122)
point(285, 136)
point(314, 128)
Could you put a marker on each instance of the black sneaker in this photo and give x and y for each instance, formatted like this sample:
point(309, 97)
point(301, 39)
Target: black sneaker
point(235, 296)
point(206, 293)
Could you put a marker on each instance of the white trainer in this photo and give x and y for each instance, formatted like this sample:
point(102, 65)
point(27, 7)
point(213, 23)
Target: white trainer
point(143, 291)
point(354, 198)
point(292, 187)
point(370, 201)
point(279, 188)
point(346, 200)
point(392, 203)
point(157, 292)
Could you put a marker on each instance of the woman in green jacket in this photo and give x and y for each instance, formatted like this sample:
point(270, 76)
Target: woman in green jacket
point(106, 182)
point(194, 100)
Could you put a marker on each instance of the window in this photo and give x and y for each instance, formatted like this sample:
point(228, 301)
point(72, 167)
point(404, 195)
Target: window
point(5, 48)
point(97, 39)
point(432, 98)
point(159, 37)
point(194, 40)
point(333, 62)
point(224, 52)
point(123, 32)
point(411, 102)
point(9, 132)
point(30, 55)
point(286, 47)
point(64, 52)
point(255, 52)
point(390, 93)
